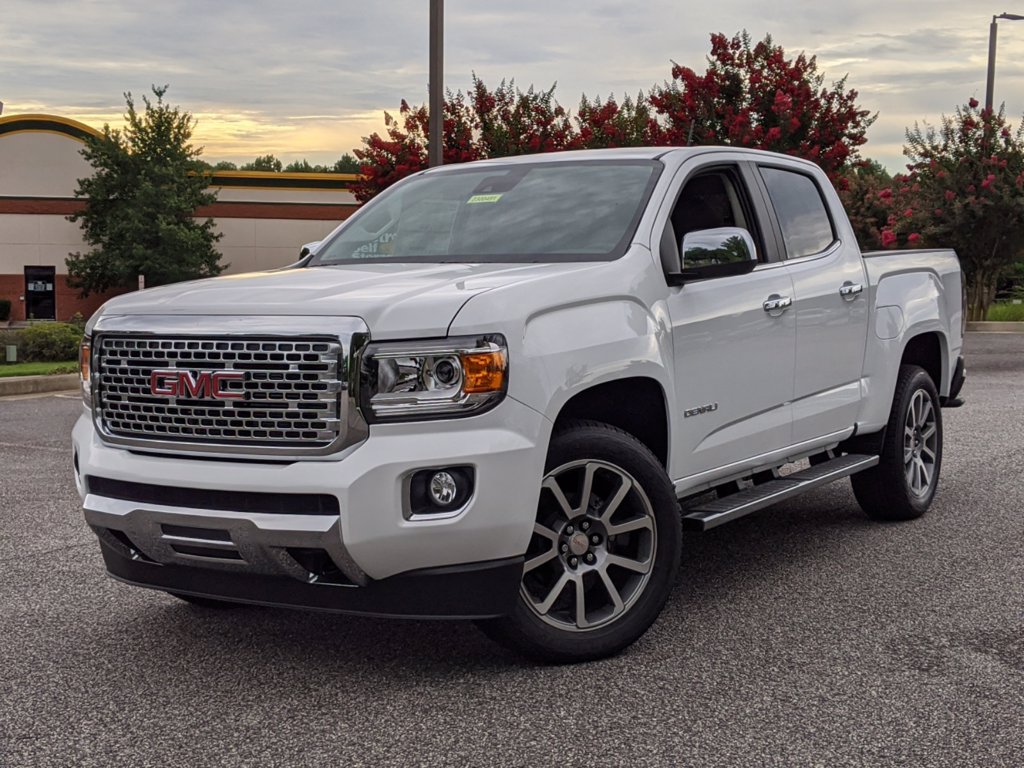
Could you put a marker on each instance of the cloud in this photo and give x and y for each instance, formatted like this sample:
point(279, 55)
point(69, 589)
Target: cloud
point(310, 77)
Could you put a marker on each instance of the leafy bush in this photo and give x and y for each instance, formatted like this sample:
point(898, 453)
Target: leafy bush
point(49, 342)
point(1006, 313)
point(5, 309)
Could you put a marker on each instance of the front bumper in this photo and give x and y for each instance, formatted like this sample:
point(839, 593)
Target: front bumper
point(174, 541)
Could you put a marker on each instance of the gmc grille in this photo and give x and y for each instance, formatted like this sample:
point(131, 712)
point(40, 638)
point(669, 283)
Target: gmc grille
point(289, 396)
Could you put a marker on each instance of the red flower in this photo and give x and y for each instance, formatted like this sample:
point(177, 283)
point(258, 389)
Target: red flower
point(888, 238)
point(913, 237)
point(950, 195)
point(973, 103)
point(908, 213)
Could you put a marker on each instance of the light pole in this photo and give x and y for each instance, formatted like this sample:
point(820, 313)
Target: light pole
point(991, 82)
point(436, 99)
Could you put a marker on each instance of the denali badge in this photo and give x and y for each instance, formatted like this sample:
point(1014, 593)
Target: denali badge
point(698, 411)
point(210, 384)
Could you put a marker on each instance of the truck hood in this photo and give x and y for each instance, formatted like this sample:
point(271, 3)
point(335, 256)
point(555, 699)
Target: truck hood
point(392, 299)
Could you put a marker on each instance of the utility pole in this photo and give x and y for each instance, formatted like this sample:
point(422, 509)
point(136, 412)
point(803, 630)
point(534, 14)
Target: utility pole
point(435, 139)
point(990, 82)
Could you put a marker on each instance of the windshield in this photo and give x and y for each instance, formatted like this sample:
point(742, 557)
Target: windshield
point(554, 211)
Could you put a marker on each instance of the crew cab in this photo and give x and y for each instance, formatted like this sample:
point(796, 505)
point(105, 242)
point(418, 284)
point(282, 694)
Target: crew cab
point(501, 390)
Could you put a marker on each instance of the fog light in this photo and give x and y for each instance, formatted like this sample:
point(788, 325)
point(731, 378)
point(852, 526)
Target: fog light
point(439, 491)
point(443, 489)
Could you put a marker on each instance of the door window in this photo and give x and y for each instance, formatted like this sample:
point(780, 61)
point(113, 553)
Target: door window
point(800, 208)
point(713, 200)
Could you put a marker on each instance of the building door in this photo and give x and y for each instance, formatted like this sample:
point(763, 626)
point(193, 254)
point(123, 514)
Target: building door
point(40, 297)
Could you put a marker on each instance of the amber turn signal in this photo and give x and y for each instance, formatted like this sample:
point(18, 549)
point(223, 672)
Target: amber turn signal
point(84, 359)
point(483, 371)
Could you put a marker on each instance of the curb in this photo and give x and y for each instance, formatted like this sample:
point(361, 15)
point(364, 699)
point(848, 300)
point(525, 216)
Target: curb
point(30, 385)
point(988, 326)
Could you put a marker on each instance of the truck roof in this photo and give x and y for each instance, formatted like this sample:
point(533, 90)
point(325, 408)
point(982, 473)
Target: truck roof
point(620, 153)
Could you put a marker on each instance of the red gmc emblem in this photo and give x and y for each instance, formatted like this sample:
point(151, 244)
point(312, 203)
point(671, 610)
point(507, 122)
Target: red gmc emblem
point(210, 384)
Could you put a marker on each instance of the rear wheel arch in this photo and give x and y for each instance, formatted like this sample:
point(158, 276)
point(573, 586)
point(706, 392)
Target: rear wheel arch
point(927, 351)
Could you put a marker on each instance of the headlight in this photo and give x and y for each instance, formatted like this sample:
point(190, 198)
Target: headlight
point(85, 369)
point(408, 381)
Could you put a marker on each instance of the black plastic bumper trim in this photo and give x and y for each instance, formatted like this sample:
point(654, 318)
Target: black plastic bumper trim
point(473, 591)
point(258, 502)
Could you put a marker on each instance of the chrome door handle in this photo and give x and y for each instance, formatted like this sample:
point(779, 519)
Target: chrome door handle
point(850, 290)
point(776, 303)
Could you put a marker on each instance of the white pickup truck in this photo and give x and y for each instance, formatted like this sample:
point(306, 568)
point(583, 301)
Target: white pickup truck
point(501, 390)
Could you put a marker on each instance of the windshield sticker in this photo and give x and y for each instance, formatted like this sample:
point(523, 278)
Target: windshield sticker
point(483, 199)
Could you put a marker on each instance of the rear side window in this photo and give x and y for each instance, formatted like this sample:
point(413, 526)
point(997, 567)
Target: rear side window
point(803, 217)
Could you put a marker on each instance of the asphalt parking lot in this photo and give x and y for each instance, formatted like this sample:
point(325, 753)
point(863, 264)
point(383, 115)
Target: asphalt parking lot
point(803, 635)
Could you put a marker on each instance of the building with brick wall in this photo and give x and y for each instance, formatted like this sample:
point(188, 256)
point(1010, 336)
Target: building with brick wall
point(264, 218)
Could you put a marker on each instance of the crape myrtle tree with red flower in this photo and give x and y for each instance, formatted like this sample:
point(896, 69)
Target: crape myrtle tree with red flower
point(753, 96)
point(750, 96)
point(964, 190)
point(499, 123)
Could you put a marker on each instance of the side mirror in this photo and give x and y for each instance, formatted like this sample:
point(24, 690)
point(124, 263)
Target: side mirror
point(720, 252)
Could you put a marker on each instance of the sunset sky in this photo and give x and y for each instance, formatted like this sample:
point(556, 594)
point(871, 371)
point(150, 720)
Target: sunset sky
point(308, 78)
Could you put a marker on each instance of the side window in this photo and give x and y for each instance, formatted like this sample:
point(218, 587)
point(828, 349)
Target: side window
point(712, 200)
point(803, 217)
point(708, 201)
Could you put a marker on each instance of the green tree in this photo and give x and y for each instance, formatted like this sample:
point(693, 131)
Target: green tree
point(140, 203)
point(301, 166)
point(346, 164)
point(225, 165)
point(264, 163)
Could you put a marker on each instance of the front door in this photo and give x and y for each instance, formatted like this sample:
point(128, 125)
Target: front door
point(734, 354)
point(40, 297)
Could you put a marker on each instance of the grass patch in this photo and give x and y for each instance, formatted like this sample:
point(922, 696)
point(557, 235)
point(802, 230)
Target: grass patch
point(1006, 313)
point(38, 369)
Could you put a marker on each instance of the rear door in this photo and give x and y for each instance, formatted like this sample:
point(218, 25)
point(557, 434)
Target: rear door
point(830, 302)
point(733, 357)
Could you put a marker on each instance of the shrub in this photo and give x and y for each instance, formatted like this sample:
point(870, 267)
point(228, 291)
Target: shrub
point(5, 310)
point(1006, 313)
point(49, 342)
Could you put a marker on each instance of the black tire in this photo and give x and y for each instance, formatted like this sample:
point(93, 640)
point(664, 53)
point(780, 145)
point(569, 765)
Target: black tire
point(887, 491)
point(642, 529)
point(206, 602)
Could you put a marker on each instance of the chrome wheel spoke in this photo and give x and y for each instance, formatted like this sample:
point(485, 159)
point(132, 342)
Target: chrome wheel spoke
point(612, 590)
point(926, 474)
point(929, 432)
point(926, 412)
point(908, 452)
point(539, 560)
point(613, 504)
point(545, 606)
point(636, 524)
point(926, 451)
point(556, 490)
point(637, 566)
point(581, 604)
point(547, 533)
point(586, 489)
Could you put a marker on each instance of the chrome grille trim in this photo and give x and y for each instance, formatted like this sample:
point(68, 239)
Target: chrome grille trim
point(295, 388)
